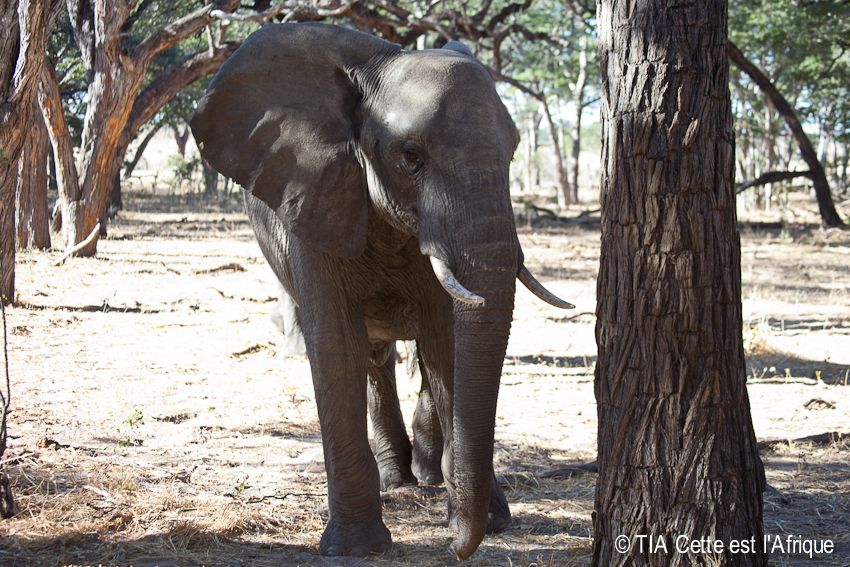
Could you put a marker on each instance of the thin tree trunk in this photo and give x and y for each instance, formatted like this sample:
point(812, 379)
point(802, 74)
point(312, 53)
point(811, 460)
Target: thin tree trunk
point(829, 216)
point(50, 102)
point(114, 88)
point(210, 181)
point(140, 150)
point(33, 228)
point(578, 101)
point(181, 139)
point(528, 170)
point(770, 151)
point(563, 183)
point(677, 452)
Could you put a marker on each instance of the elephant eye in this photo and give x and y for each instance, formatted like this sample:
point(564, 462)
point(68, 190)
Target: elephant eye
point(412, 162)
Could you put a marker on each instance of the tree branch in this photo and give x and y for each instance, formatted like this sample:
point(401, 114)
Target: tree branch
point(770, 177)
point(180, 29)
point(829, 216)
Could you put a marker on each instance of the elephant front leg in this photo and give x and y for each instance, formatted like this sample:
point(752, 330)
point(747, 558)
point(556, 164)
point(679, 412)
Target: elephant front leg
point(392, 445)
point(338, 351)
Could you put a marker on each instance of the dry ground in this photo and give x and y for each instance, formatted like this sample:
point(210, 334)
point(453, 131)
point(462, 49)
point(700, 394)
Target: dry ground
point(155, 423)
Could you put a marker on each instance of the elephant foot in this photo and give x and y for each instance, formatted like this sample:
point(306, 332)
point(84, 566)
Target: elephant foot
point(359, 539)
point(426, 469)
point(395, 476)
point(499, 516)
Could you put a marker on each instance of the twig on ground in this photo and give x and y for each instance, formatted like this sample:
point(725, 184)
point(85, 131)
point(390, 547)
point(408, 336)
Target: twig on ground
point(572, 317)
point(570, 470)
point(819, 439)
point(232, 267)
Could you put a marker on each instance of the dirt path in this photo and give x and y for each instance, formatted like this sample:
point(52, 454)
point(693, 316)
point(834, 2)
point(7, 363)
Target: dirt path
point(155, 423)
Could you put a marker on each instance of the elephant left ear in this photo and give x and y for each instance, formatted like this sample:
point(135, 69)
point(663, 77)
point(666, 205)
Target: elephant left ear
point(280, 119)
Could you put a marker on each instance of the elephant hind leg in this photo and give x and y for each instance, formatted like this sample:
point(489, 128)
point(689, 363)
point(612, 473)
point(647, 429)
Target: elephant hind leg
point(392, 445)
point(427, 437)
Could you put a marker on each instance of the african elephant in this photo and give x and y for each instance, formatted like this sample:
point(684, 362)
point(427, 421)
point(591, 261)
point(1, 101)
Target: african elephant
point(376, 181)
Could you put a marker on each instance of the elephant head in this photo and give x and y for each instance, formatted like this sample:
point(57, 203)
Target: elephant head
point(327, 125)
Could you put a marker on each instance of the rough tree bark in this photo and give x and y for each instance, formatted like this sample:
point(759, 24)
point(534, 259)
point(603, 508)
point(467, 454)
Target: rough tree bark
point(677, 451)
point(829, 216)
point(24, 28)
point(165, 87)
point(32, 220)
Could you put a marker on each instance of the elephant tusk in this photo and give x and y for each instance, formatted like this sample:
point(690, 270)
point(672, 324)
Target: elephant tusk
point(450, 284)
point(537, 289)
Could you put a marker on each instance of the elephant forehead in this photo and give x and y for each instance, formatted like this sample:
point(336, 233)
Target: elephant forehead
point(423, 88)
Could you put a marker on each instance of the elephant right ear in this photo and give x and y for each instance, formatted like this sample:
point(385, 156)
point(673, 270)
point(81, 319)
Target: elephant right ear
point(279, 119)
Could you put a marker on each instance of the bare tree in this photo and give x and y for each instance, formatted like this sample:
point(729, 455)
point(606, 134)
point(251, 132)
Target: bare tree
point(677, 451)
point(829, 216)
point(117, 75)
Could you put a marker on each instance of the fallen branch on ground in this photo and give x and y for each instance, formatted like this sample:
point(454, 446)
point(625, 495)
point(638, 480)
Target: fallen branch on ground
point(79, 246)
point(232, 267)
point(571, 470)
point(819, 439)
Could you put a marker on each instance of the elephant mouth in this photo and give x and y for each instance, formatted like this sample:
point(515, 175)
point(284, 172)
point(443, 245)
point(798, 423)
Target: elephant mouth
point(456, 289)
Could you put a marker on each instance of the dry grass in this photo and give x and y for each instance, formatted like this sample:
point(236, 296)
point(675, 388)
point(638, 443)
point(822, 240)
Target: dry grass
point(164, 429)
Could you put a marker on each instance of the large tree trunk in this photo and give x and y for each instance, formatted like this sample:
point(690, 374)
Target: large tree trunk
point(24, 28)
point(829, 216)
point(31, 218)
point(677, 452)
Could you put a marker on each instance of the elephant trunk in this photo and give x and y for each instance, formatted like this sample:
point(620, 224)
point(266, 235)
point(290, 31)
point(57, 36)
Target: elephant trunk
point(481, 336)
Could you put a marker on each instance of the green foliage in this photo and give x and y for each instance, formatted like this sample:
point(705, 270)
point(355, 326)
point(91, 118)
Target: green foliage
point(184, 169)
point(804, 47)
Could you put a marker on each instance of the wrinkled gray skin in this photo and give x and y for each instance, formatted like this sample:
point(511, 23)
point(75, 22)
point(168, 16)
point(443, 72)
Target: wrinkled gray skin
point(400, 462)
point(360, 161)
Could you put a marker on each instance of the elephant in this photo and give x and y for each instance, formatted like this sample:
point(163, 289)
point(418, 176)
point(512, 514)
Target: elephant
point(377, 183)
